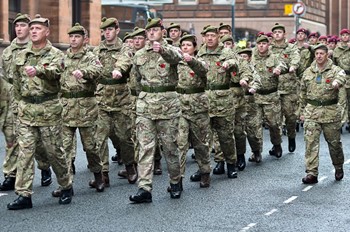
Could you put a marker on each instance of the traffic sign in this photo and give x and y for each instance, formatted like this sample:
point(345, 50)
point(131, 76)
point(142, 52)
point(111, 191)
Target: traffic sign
point(288, 9)
point(299, 8)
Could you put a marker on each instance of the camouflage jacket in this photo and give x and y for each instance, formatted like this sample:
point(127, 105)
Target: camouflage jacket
point(316, 86)
point(113, 97)
point(46, 83)
point(288, 54)
point(265, 80)
point(306, 58)
point(157, 70)
point(79, 111)
point(220, 101)
point(341, 58)
point(8, 57)
point(192, 75)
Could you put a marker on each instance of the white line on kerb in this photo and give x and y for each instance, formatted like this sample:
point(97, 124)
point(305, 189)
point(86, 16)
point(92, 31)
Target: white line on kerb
point(247, 227)
point(290, 199)
point(347, 162)
point(271, 212)
point(307, 188)
point(3, 194)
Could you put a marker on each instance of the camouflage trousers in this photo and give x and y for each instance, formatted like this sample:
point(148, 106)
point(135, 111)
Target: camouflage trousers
point(289, 107)
point(253, 124)
point(121, 123)
point(348, 105)
point(224, 127)
point(331, 132)
point(148, 131)
point(272, 115)
point(87, 136)
point(8, 128)
point(28, 137)
point(196, 129)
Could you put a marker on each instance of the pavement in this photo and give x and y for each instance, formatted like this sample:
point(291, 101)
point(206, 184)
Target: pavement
point(265, 197)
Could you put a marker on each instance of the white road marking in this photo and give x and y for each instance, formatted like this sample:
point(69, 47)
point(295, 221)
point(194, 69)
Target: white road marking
point(3, 194)
point(247, 227)
point(322, 178)
point(290, 199)
point(347, 162)
point(271, 212)
point(307, 188)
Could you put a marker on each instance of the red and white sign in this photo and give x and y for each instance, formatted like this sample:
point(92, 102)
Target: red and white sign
point(299, 8)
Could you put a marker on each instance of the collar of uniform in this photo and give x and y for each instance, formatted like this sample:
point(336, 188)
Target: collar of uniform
point(44, 50)
point(282, 45)
point(14, 45)
point(315, 69)
point(77, 55)
point(117, 46)
point(217, 51)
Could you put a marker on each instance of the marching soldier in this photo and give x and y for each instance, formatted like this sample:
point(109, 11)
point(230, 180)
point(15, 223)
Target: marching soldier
point(174, 33)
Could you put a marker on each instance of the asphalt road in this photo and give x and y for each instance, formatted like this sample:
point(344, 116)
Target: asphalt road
point(265, 197)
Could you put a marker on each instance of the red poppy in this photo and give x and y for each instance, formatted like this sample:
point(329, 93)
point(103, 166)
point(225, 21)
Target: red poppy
point(270, 69)
point(286, 56)
point(162, 65)
point(192, 74)
point(234, 73)
point(218, 63)
point(328, 81)
point(45, 65)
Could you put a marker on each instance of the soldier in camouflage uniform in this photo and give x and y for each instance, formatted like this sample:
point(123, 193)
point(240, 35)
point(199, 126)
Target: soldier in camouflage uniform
point(224, 29)
point(322, 102)
point(194, 123)
point(341, 58)
point(288, 83)
point(78, 83)
point(221, 109)
point(158, 110)
point(114, 100)
point(36, 86)
point(174, 33)
point(268, 68)
point(9, 113)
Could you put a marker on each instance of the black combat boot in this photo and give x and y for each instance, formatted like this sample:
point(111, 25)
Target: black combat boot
point(142, 196)
point(205, 180)
point(276, 151)
point(291, 144)
point(73, 166)
point(21, 203)
point(231, 171)
point(46, 179)
point(257, 156)
point(195, 177)
point(131, 173)
point(241, 162)
point(219, 168)
point(8, 184)
point(175, 190)
point(66, 197)
point(58, 192)
point(157, 168)
point(99, 183)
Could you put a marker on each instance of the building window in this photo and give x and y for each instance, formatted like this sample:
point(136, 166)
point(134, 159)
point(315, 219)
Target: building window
point(222, 2)
point(257, 2)
point(188, 2)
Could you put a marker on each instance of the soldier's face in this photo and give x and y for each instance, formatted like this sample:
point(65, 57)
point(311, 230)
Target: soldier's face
point(154, 34)
point(76, 41)
point(345, 37)
point(211, 40)
point(278, 34)
point(174, 33)
point(223, 32)
point(22, 30)
point(229, 44)
point(110, 33)
point(129, 42)
point(323, 41)
point(245, 56)
point(331, 45)
point(263, 47)
point(38, 33)
point(301, 36)
point(313, 40)
point(139, 42)
point(188, 47)
point(321, 56)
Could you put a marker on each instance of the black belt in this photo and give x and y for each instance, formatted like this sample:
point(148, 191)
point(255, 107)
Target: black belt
point(157, 89)
point(133, 92)
point(39, 99)
point(218, 87)
point(10, 81)
point(110, 81)
point(190, 90)
point(322, 102)
point(235, 84)
point(78, 94)
point(248, 93)
point(266, 91)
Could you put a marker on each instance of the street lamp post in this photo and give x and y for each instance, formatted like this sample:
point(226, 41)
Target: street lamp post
point(233, 2)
